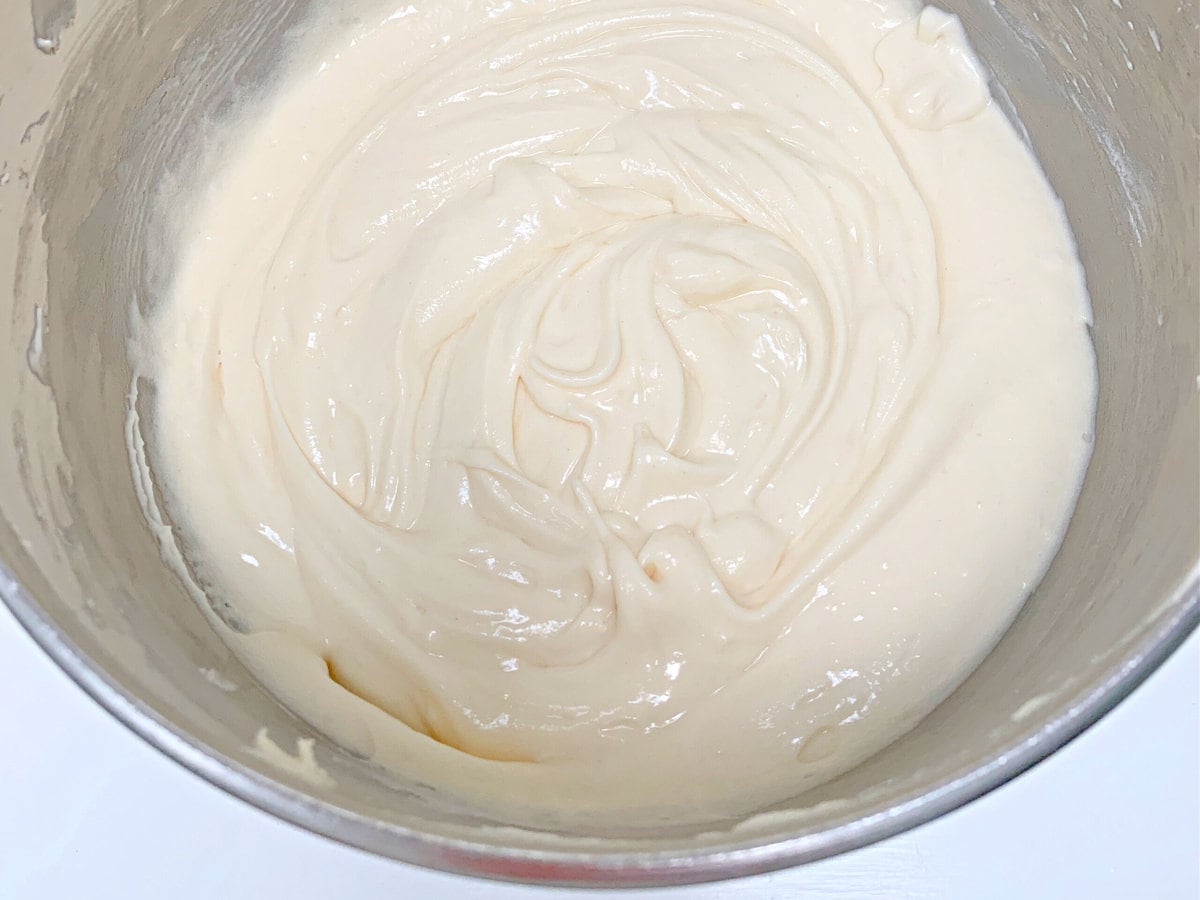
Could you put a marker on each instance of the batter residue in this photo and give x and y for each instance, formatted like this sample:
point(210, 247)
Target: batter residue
point(601, 407)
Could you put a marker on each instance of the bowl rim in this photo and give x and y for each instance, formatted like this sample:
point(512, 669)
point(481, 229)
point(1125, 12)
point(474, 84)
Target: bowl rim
point(1180, 617)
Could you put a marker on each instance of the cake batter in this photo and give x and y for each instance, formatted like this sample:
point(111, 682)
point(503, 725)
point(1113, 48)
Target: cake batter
point(595, 409)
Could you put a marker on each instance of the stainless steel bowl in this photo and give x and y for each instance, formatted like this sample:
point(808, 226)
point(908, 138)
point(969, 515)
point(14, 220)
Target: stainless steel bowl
point(96, 140)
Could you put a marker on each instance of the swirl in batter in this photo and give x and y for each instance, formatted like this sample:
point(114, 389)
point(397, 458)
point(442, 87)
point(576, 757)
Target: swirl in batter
point(603, 407)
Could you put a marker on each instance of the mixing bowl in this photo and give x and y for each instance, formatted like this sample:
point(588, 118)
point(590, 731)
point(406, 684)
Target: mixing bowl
point(105, 110)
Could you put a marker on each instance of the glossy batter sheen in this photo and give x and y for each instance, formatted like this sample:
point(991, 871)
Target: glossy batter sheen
point(600, 408)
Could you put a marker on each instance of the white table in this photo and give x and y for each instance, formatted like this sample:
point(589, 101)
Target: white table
point(87, 810)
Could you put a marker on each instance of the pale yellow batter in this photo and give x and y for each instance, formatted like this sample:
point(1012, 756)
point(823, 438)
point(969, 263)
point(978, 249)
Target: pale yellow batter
point(617, 409)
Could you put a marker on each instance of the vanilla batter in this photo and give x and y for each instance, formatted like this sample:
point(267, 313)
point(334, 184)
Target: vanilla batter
point(596, 408)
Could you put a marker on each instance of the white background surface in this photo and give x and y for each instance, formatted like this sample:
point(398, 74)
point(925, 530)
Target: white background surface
point(87, 810)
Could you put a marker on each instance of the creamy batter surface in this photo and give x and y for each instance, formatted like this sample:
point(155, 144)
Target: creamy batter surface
point(597, 407)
